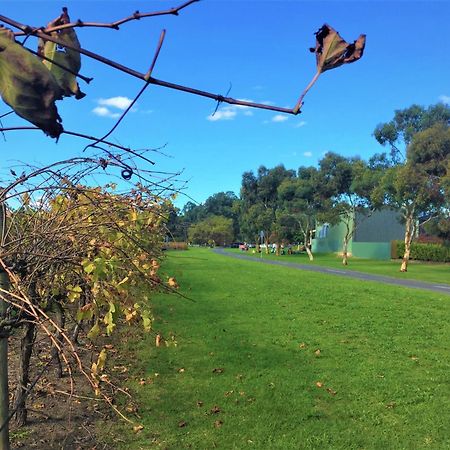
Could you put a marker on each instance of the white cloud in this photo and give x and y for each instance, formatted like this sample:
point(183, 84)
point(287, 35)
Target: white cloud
point(279, 118)
point(445, 99)
point(300, 124)
point(227, 113)
point(116, 102)
point(307, 154)
point(103, 111)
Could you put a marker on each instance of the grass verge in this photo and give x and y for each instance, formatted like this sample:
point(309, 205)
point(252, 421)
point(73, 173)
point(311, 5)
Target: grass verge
point(269, 357)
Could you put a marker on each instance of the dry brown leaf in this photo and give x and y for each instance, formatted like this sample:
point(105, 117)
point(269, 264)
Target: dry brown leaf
point(215, 410)
point(218, 370)
point(331, 391)
point(332, 51)
point(319, 384)
point(138, 428)
point(218, 423)
point(182, 423)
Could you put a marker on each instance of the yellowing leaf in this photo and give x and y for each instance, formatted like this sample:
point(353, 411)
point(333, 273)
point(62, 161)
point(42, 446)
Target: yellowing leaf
point(66, 57)
point(73, 292)
point(101, 361)
point(94, 331)
point(28, 87)
point(89, 268)
point(172, 283)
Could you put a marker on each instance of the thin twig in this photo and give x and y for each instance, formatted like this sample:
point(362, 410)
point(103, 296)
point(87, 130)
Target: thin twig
point(158, 49)
point(115, 25)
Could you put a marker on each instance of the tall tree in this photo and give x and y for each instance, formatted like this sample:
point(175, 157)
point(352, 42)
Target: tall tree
point(259, 200)
point(214, 230)
point(346, 183)
point(416, 137)
point(301, 202)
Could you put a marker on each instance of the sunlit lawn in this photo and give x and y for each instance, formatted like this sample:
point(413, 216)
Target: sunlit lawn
point(269, 357)
point(417, 270)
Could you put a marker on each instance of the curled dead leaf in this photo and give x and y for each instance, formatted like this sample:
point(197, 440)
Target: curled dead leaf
point(218, 370)
point(331, 391)
point(138, 428)
point(182, 424)
point(218, 423)
point(332, 51)
point(215, 409)
point(319, 384)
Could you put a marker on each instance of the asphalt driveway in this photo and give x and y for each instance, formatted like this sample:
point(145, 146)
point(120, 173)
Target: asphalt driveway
point(435, 287)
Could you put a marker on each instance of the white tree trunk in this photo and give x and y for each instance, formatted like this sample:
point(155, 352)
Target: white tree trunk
point(409, 231)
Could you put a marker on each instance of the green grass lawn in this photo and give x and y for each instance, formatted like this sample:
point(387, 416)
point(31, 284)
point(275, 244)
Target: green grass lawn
point(269, 357)
point(417, 270)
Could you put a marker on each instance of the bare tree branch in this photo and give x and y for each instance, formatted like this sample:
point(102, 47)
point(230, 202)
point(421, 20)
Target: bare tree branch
point(142, 76)
point(114, 25)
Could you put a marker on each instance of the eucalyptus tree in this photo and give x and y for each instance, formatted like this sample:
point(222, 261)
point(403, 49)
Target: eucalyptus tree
point(346, 184)
point(259, 200)
point(416, 138)
point(300, 200)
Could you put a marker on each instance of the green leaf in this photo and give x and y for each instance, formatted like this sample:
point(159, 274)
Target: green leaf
point(28, 87)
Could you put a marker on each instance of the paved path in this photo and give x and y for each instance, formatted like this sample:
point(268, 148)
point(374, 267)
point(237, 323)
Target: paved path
point(435, 287)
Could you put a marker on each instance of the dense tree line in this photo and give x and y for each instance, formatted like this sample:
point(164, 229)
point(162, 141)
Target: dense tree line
point(278, 205)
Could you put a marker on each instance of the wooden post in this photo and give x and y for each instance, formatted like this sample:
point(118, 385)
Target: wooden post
point(4, 397)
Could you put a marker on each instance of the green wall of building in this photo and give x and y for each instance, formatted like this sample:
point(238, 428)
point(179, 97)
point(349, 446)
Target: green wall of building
point(372, 250)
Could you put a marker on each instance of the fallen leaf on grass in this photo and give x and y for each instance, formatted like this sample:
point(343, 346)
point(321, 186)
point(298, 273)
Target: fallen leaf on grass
point(181, 370)
point(302, 345)
point(215, 409)
point(319, 384)
point(391, 405)
point(228, 393)
point(218, 370)
point(182, 423)
point(199, 403)
point(218, 423)
point(331, 391)
point(317, 352)
point(138, 428)
point(158, 340)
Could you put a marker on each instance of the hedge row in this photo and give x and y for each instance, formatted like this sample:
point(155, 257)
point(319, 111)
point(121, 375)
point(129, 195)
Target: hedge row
point(424, 252)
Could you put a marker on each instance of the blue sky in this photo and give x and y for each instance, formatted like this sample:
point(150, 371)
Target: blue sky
point(261, 49)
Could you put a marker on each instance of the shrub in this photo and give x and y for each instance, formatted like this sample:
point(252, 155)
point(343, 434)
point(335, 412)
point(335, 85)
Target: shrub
point(175, 246)
point(423, 252)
